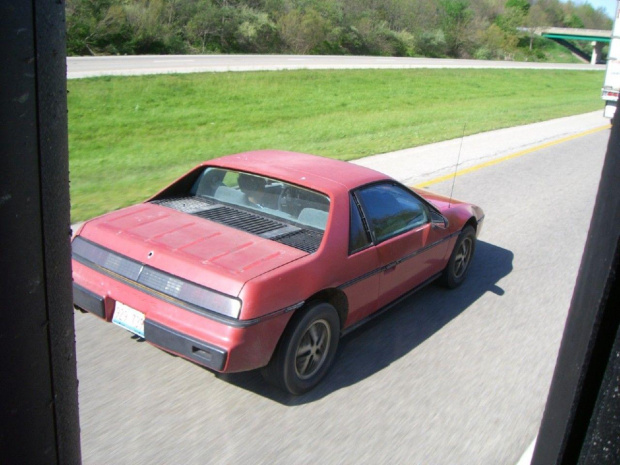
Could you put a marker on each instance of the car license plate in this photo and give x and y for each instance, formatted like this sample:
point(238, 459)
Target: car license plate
point(129, 318)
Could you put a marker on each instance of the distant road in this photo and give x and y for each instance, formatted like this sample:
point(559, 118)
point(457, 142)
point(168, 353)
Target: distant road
point(80, 67)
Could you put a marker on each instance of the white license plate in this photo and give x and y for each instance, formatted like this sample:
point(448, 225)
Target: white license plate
point(129, 318)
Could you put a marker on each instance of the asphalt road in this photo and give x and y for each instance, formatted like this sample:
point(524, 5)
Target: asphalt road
point(79, 67)
point(447, 377)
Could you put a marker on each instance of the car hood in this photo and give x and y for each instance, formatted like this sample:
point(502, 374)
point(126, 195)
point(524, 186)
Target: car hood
point(442, 202)
point(192, 248)
point(452, 208)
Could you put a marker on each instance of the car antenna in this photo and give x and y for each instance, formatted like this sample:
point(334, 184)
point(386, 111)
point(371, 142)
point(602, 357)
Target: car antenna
point(456, 167)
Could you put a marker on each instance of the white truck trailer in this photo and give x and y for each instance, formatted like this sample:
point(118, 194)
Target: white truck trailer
point(611, 86)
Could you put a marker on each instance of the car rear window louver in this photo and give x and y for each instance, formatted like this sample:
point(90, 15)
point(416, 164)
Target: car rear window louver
point(304, 239)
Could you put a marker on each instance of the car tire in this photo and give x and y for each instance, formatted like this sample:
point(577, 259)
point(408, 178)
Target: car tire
point(456, 271)
point(307, 349)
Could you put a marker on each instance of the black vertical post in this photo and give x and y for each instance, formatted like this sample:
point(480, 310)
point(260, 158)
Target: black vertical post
point(38, 383)
point(581, 422)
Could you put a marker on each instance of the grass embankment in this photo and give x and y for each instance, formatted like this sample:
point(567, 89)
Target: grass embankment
point(130, 136)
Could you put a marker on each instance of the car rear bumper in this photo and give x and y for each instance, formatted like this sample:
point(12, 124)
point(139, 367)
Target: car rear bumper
point(157, 334)
point(89, 301)
point(213, 344)
point(192, 349)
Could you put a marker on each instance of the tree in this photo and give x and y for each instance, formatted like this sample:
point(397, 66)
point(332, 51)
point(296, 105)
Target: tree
point(497, 43)
point(536, 18)
point(437, 28)
point(455, 18)
point(520, 5)
point(301, 32)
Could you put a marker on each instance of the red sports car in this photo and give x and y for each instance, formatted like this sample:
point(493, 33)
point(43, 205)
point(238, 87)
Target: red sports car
point(264, 259)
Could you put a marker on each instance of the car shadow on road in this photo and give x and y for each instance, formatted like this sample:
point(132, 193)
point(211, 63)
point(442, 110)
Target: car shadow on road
point(392, 335)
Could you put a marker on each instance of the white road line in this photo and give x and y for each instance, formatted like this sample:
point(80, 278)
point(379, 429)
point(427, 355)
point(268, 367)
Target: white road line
point(526, 458)
point(174, 61)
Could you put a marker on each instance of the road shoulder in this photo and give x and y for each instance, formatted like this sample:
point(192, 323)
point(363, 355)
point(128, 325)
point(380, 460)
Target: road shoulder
point(433, 161)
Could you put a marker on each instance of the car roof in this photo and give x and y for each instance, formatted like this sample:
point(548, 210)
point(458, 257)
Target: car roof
point(315, 172)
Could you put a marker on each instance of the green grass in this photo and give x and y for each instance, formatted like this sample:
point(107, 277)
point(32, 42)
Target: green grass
point(130, 136)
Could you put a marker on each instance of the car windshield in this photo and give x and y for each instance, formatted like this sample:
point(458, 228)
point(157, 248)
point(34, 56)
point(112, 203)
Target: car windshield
point(264, 195)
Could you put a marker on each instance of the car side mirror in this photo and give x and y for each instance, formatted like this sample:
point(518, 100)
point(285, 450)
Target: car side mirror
point(438, 220)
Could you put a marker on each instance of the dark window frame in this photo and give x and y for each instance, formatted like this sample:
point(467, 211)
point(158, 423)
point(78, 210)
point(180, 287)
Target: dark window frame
point(359, 203)
point(356, 209)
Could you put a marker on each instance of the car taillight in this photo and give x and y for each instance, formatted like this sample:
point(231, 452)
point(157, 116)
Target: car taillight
point(198, 297)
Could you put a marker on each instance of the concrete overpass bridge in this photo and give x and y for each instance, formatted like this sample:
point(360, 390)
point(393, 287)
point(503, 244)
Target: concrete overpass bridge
point(563, 35)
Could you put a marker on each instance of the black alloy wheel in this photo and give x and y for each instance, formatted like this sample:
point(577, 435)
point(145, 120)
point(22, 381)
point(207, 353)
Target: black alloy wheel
point(307, 349)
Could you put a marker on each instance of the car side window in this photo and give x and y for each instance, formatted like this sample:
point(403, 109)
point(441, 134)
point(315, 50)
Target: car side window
point(358, 236)
point(391, 209)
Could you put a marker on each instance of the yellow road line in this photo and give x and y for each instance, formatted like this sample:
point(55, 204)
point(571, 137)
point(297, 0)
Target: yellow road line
point(511, 156)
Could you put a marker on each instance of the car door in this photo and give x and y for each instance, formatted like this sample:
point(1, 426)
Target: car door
point(409, 248)
point(363, 290)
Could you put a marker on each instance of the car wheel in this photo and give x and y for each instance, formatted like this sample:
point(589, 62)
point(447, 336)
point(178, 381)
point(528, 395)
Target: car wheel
point(458, 265)
point(306, 352)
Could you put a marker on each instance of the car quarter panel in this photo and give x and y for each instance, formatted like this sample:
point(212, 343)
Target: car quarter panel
point(330, 267)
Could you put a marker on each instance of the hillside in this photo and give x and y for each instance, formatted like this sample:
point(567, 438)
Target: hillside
point(484, 29)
